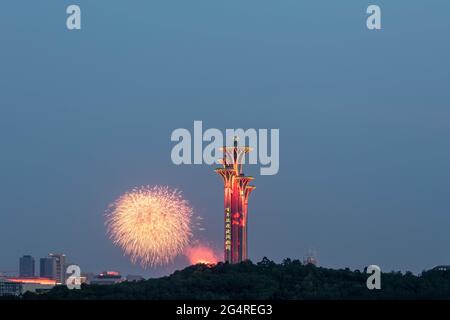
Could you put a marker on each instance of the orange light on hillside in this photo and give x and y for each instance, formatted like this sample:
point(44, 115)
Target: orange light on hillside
point(201, 254)
point(44, 281)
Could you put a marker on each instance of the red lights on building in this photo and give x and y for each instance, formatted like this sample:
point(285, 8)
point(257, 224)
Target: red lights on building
point(109, 274)
point(236, 193)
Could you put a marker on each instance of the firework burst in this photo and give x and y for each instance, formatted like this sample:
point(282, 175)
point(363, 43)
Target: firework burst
point(151, 224)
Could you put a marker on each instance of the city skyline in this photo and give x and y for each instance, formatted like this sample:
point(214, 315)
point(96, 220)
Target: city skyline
point(27, 262)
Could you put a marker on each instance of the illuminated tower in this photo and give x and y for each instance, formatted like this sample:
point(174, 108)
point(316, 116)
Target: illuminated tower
point(310, 258)
point(236, 193)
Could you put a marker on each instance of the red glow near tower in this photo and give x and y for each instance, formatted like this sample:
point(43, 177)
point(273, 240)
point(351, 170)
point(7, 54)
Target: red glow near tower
point(236, 193)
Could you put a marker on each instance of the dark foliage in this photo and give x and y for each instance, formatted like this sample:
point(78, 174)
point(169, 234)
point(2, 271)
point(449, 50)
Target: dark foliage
point(265, 280)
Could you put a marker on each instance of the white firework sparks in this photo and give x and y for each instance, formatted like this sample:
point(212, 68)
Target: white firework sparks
point(151, 224)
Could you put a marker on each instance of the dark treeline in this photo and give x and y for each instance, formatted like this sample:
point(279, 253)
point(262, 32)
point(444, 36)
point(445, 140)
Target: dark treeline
point(265, 280)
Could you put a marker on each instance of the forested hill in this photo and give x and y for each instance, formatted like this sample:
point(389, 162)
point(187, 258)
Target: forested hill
point(265, 280)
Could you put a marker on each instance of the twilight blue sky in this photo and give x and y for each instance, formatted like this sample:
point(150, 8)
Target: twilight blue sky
point(364, 121)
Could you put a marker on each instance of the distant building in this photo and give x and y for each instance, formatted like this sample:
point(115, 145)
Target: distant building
point(37, 285)
point(442, 268)
point(310, 258)
point(60, 267)
point(26, 267)
point(48, 268)
point(87, 277)
point(134, 278)
point(107, 278)
point(9, 288)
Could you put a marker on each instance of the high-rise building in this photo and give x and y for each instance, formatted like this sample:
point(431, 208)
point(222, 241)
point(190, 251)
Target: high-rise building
point(26, 267)
point(48, 268)
point(236, 193)
point(60, 266)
